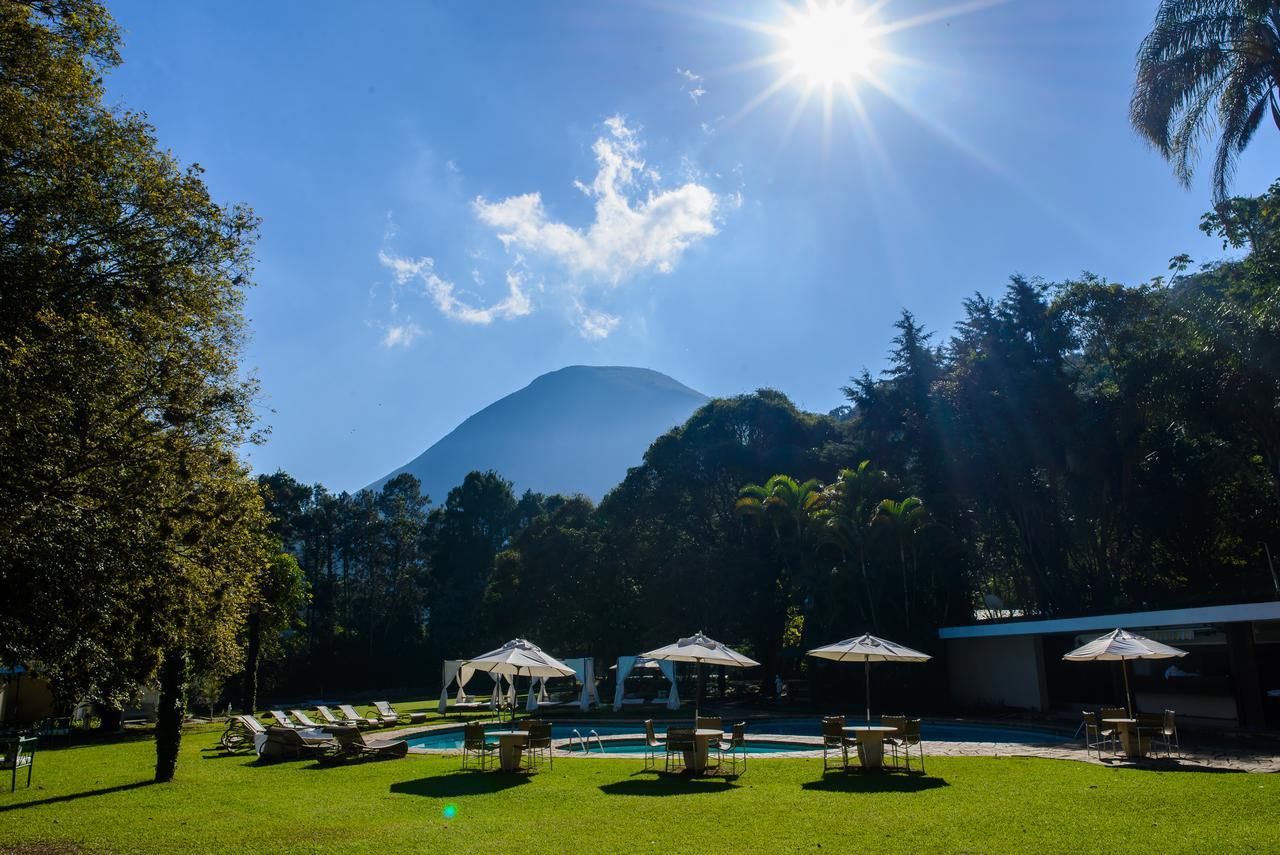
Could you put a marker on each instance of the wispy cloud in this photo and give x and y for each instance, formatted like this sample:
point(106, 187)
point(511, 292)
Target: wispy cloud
point(635, 228)
point(639, 226)
point(421, 271)
point(401, 335)
point(595, 325)
point(691, 84)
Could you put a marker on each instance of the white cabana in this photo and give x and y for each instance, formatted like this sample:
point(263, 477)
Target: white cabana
point(518, 658)
point(452, 671)
point(627, 665)
point(867, 649)
point(700, 650)
point(1121, 646)
point(584, 670)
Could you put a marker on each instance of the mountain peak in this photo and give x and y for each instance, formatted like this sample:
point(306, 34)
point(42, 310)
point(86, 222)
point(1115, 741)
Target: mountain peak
point(573, 430)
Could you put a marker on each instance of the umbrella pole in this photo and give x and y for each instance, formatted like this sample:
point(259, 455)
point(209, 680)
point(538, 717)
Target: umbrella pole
point(1128, 696)
point(866, 670)
point(697, 698)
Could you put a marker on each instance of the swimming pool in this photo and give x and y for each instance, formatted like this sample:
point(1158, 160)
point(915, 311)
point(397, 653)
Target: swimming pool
point(933, 731)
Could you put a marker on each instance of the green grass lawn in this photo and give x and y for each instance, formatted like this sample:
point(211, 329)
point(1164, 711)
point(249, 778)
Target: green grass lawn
point(97, 797)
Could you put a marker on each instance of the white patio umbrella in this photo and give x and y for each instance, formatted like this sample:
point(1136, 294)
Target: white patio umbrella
point(1120, 646)
point(519, 658)
point(867, 649)
point(700, 650)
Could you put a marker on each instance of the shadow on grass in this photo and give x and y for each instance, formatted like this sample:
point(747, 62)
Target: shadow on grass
point(70, 797)
point(457, 784)
point(666, 785)
point(875, 782)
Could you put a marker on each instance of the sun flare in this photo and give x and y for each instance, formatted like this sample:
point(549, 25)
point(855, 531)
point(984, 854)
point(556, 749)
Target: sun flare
point(831, 43)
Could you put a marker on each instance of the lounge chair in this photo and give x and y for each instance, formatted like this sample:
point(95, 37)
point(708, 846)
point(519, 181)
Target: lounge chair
point(679, 741)
point(351, 743)
point(651, 745)
point(467, 706)
point(735, 747)
point(285, 743)
point(476, 744)
point(281, 718)
point(240, 732)
point(18, 753)
point(710, 722)
point(389, 716)
point(305, 720)
point(360, 720)
point(331, 720)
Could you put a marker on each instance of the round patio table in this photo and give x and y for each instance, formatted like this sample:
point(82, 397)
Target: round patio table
point(510, 746)
point(1131, 740)
point(871, 743)
point(696, 760)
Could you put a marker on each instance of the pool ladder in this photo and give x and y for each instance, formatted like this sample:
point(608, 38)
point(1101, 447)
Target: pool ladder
point(585, 742)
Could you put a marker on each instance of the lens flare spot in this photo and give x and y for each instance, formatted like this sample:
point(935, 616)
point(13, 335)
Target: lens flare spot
point(450, 811)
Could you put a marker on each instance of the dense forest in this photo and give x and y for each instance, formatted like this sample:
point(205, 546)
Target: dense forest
point(1072, 448)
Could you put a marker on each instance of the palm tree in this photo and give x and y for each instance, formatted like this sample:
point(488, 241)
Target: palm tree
point(903, 519)
point(788, 505)
point(847, 509)
point(1206, 65)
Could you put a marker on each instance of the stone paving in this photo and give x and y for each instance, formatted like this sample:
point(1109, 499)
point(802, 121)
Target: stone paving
point(1264, 758)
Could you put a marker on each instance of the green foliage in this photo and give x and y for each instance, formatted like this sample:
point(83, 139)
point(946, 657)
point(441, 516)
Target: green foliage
point(129, 532)
point(1207, 66)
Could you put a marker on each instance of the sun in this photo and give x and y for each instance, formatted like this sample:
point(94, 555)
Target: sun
point(830, 43)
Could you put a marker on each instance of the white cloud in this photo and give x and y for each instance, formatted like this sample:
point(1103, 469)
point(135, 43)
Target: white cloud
point(632, 232)
point(443, 293)
point(595, 325)
point(692, 84)
point(401, 335)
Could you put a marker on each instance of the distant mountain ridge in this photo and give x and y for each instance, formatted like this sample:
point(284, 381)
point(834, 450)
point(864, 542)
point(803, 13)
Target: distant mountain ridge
point(575, 430)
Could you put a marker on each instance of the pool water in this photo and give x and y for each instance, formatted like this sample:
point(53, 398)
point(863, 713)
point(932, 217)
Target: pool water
point(935, 731)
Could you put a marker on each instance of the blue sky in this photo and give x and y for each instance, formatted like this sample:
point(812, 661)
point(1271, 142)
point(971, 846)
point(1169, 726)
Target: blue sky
point(458, 197)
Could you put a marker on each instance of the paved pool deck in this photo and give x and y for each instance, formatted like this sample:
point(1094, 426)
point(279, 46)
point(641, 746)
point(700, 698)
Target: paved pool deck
point(1264, 758)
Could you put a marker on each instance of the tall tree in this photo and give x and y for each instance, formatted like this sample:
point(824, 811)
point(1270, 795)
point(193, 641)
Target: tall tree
point(128, 530)
point(1207, 65)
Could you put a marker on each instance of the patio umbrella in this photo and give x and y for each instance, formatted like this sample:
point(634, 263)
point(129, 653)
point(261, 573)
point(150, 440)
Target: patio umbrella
point(519, 658)
point(867, 649)
point(700, 650)
point(1120, 646)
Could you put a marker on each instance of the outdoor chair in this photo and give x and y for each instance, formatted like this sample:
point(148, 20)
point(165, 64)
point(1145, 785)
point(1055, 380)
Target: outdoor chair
point(1097, 735)
point(710, 722)
point(305, 720)
point(1113, 712)
point(281, 718)
point(538, 744)
point(735, 748)
point(679, 740)
point(332, 720)
point(389, 716)
point(352, 744)
point(240, 732)
point(651, 745)
point(18, 753)
point(910, 738)
point(893, 740)
point(834, 742)
point(360, 720)
point(286, 743)
point(1161, 729)
point(476, 744)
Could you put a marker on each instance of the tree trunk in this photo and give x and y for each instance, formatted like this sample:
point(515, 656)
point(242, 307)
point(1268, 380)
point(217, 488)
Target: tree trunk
point(252, 653)
point(170, 712)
